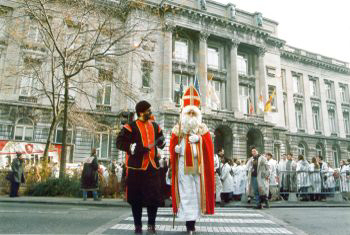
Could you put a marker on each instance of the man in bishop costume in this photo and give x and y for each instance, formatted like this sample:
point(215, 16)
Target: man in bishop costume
point(192, 161)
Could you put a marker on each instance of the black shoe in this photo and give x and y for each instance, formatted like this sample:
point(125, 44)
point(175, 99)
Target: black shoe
point(151, 229)
point(138, 230)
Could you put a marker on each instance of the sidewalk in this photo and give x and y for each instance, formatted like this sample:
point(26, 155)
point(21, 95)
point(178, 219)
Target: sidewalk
point(120, 203)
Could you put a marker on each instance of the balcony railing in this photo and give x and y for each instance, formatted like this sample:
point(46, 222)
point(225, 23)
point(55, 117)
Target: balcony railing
point(30, 99)
point(103, 108)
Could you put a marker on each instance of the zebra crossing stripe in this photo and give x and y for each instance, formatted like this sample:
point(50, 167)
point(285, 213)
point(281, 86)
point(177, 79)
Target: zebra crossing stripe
point(215, 220)
point(230, 216)
point(217, 229)
point(218, 214)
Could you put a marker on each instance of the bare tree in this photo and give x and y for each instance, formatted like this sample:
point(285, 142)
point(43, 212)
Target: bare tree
point(78, 38)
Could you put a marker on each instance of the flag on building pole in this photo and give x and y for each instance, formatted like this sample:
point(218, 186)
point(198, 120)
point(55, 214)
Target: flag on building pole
point(250, 107)
point(261, 103)
point(196, 84)
point(268, 104)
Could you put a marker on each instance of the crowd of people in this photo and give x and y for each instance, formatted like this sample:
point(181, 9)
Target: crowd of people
point(313, 180)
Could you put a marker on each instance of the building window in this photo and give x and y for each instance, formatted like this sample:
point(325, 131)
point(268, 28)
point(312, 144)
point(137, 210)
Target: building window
point(316, 118)
point(186, 80)
point(181, 51)
point(346, 122)
point(344, 95)
point(147, 68)
point(335, 156)
point(213, 57)
point(297, 83)
point(101, 143)
point(313, 88)
point(246, 93)
point(283, 77)
point(299, 115)
point(271, 71)
point(28, 85)
point(34, 34)
point(104, 88)
point(59, 134)
point(277, 151)
point(319, 150)
point(6, 131)
point(104, 94)
point(242, 65)
point(273, 98)
point(329, 90)
point(285, 110)
point(216, 93)
point(301, 149)
point(332, 121)
point(2, 27)
point(24, 130)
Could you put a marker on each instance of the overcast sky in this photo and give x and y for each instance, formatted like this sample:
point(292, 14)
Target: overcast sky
point(320, 26)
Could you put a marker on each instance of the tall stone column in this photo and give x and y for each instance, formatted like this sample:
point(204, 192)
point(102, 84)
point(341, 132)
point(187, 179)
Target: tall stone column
point(233, 81)
point(167, 66)
point(260, 82)
point(203, 68)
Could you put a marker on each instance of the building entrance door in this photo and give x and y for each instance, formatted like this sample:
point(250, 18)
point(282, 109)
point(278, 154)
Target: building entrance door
point(223, 139)
point(255, 138)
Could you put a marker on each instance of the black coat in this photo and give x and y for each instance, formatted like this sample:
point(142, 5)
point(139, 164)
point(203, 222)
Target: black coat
point(89, 176)
point(143, 185)
point(18, 170)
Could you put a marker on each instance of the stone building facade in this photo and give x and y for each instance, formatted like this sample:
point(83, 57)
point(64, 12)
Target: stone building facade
point(240, 64)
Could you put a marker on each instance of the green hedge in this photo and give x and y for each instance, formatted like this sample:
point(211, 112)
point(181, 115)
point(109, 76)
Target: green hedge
point(66, 187)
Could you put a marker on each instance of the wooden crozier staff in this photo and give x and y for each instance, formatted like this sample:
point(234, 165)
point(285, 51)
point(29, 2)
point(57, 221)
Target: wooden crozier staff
point(178, 155)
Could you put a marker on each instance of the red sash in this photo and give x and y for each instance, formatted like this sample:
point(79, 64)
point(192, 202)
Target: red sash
point(148, 137)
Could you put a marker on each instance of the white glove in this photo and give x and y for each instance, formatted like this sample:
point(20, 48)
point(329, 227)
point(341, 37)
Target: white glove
point(132, 148)
point(177, 148)
point(193, 138)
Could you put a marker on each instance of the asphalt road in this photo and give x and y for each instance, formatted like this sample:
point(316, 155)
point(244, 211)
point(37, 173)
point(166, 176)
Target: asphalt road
point(315, 221)
point(27, 218)
point(55, 219)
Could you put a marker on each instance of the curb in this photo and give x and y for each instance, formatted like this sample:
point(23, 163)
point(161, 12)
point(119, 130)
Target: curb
point(125, 204)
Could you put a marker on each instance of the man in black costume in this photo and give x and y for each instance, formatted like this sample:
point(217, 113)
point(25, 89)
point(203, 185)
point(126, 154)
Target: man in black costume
point(140, 139)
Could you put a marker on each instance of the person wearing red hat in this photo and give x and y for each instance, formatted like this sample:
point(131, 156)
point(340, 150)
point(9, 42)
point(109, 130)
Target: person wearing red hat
point(192, 163)
point(140, 140)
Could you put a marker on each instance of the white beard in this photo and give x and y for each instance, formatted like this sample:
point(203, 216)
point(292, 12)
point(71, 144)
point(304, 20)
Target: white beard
point(190, 124)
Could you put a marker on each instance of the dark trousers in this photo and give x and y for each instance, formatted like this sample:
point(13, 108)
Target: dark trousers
point(137, 214)
point(225, 197)
point(190, 225)
point(14, 189)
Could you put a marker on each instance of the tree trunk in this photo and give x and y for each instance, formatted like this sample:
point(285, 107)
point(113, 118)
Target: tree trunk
point(64, 132)
point(48, 141)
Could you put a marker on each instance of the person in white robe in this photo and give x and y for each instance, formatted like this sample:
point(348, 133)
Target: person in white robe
point(227, 182)
point(217, 169)
point(239, 180)
point(273, 193)
point(329, 182)
point(315, 180)
point(303, 180)
point(344, 172)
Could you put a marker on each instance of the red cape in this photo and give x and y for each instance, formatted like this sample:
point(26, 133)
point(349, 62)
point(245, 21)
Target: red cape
point(209, 179)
